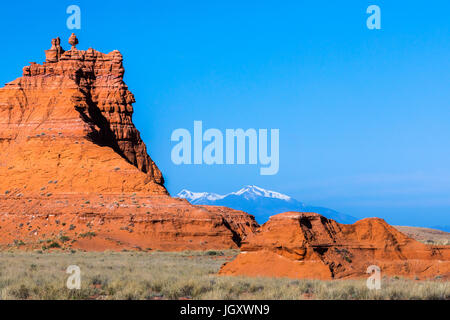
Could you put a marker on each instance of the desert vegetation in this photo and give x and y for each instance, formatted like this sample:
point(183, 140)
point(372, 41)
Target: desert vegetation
point(178, 275)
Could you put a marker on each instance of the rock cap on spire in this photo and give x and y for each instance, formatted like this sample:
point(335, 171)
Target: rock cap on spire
point(73, 41)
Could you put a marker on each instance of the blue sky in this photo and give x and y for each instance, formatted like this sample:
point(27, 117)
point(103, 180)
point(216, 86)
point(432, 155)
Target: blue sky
point(364, 115)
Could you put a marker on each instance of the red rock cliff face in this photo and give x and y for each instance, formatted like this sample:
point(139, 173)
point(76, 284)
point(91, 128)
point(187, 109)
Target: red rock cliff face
point(308, 245)
point(72, 163)
point(75, 97)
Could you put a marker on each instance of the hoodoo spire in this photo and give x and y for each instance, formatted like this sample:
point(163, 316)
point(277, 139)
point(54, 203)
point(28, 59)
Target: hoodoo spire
point(73, 41)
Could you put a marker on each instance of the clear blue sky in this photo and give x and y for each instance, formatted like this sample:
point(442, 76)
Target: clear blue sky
point(364, 116)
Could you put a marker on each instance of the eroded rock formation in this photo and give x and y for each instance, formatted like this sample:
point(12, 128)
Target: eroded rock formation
point(75, 100)
point(73, 163)
point(308, 245)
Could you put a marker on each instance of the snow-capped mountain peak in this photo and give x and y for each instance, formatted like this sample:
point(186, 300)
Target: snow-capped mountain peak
point(248, 192)
point(193, 196)
point(260, 202)
point(254, 191)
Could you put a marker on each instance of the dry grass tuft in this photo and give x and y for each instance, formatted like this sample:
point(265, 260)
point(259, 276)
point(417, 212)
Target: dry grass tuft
point(164, 275)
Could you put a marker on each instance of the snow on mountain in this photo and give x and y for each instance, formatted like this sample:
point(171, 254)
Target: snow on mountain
point(248, 192)
point(260, 202)
point(254, 191)
point(195, 196)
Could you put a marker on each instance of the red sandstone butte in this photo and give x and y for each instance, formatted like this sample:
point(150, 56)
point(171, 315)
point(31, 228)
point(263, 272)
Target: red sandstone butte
point(74, 170)
point(308, 245)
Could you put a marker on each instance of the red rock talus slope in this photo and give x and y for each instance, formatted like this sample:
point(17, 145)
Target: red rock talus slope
point(308, 245)
point(74, 170)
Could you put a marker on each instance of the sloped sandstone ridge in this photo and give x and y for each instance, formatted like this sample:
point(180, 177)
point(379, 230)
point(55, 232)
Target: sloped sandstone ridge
point(308, 245)
point(74, 170)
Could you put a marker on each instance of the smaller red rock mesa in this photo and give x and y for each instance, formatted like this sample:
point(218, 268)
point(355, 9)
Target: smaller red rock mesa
point(74, 170)
point(308, 245)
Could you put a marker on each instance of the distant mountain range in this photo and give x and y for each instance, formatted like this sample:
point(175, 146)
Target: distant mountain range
point(261, 203)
